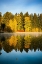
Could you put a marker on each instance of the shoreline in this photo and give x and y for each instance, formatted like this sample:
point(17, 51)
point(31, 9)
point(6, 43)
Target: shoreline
point(21, 33)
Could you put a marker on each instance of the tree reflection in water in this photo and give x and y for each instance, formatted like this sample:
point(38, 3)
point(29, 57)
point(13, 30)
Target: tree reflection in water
point(19, 42)
point(0, 48)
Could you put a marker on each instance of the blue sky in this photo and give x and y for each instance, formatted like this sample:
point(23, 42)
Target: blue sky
point(30, 6)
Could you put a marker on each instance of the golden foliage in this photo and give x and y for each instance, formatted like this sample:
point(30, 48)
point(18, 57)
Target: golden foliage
point(13, 25)
point(27, 41)
point(13, 41)
point(27, 24)
point(35, 30)
point(27, 18)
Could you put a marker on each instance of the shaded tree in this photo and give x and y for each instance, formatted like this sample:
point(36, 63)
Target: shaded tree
point(40, 18)
point(7, 16)
point(26, 14)
point(2, 26)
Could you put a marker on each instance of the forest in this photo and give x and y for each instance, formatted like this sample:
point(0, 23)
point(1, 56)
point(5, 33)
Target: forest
point(20, 22)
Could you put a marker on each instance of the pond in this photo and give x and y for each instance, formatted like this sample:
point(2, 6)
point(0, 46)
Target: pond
point(19, 48)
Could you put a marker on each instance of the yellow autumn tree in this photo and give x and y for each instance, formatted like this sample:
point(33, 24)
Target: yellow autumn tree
point(19, 23)
point(27, 24)
point(13, 25)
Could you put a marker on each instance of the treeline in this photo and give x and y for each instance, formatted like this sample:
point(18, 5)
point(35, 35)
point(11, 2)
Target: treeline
point(20, 22)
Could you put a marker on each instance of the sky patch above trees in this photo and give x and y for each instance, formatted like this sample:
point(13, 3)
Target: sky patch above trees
point(31, 6)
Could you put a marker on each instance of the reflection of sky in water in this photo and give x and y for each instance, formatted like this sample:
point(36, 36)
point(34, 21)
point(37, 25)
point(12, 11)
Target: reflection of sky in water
point(21, 58)
point(32, 56)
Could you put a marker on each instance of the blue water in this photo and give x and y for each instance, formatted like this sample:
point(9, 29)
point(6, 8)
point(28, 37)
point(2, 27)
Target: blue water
point(21, 58)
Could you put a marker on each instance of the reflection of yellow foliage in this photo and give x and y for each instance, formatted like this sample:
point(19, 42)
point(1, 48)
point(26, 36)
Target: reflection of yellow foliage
point(13, 25)
point(27, 41)
point(27, 46)
point(13, 41)
point(27, 37)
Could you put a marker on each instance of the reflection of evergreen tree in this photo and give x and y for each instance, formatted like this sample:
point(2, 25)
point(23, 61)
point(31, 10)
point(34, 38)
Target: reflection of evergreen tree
point(5, 44)
point(36, 43)
point(19, 42)
point(27, 41)
point(7, 47)
point(2, 38)
point(22, 44)
point(26, 50)
point(0, 48)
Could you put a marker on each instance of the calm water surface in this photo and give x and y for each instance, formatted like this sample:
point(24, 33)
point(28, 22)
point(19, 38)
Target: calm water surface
point(20, 48)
